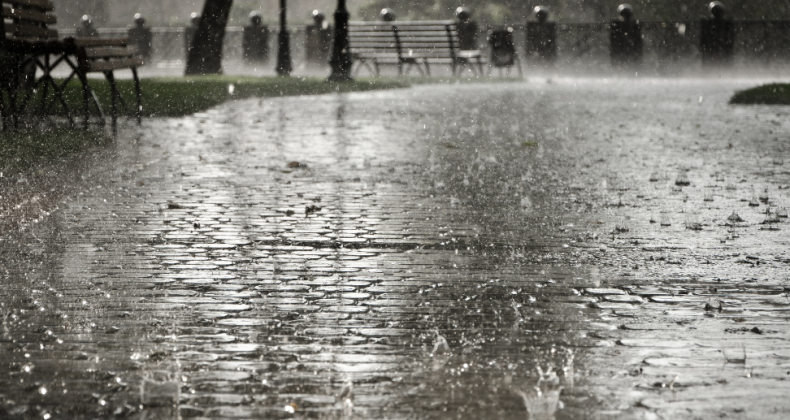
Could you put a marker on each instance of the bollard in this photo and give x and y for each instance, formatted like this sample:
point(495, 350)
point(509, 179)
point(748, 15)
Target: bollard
point(86, 30)
point(387, 15)
point(717, 37)
point(190, 31)
point(255, 40)
point(625, 34)
point(542, 38)
point(141, 36)
point(467, 29)
point(503, 50)
point(319, 40)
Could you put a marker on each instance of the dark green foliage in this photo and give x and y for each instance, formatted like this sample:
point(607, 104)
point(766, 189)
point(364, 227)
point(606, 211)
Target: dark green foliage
point(772, 94)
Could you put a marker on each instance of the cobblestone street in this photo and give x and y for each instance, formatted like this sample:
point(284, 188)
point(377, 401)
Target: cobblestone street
point(422, 253)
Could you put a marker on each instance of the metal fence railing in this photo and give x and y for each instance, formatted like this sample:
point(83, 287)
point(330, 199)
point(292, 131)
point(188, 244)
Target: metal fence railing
point(583, 46)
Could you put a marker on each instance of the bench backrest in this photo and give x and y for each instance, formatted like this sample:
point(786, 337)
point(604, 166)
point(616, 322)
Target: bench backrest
point(438, 38)
point(28, 19)
point(371, 37)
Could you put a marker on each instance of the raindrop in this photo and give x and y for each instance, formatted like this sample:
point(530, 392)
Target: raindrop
point(682, 180)
point(770, 217)
point(526, 204)
point(665, 220)
point(440, 346)
point(346, 398)
point(692, 223)
point(621, 227)
point(291, 408)
point(764, 196)
point(735, 218)
point(708, 196)
point(542, 400)
point(782, 212)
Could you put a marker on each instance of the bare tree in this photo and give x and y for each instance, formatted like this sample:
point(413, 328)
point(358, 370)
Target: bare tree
point(205, 53)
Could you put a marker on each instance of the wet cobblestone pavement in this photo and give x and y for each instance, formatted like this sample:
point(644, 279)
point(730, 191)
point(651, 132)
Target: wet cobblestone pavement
point(438, 252)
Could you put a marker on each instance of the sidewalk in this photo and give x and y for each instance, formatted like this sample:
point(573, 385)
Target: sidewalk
point(431, 246)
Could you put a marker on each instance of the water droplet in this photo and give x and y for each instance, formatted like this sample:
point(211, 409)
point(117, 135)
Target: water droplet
point(764, 196)
point(682, 180)
point(291, 408)
point(734, 218)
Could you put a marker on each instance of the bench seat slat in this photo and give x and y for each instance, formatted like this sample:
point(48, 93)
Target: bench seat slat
point(29, 15)
point(100, 42)
point(94, 66)
point(44, 5)
point(109, 52)
point(23, 30)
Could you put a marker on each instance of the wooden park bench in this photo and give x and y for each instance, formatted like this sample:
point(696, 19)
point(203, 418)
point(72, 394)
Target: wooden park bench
point(28, 46)
point(417, 44)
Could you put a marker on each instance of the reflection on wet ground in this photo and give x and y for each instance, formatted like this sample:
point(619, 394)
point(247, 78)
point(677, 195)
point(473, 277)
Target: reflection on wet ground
point(439, 252)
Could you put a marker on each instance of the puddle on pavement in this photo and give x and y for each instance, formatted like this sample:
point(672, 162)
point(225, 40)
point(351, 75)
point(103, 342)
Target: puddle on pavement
point(521, 253)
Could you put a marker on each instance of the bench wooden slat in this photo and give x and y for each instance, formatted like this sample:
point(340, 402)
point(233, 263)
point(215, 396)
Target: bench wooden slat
point(424, 23)
point(24, 30)
point(419, 43)
point(373, 38)
point(44, 5)
point(109, 52)
point(437, 34)
point(100, 42)
point(29, 15)
point(94, 66)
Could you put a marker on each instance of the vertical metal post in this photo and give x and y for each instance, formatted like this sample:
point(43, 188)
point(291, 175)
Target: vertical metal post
point(284, 67)
point(341, 53)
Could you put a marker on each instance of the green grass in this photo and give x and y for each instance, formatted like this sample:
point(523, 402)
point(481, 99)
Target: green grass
point(772, 94)
point(179, 96)
point(20, 150)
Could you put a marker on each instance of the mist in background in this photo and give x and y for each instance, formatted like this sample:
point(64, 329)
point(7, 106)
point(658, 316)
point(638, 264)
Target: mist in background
point(118, 13)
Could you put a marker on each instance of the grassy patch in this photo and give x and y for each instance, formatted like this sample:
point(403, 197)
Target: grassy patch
point(772, 94)
point(22, 149)
point(179, 96)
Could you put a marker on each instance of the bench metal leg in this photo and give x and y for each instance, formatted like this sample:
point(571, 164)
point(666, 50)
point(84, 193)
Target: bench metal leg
point(114, 99)
point(518, 65)
point(3, 113)
point(86, 106)
point(4, 89)
point(139, 93)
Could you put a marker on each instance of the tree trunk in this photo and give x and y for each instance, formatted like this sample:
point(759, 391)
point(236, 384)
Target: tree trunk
point(205, 54)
